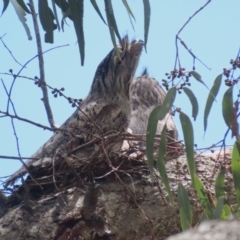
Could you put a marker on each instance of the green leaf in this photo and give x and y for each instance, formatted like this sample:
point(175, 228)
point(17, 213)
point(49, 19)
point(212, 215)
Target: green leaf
point(111, 18)
point(158, 113)
point(219, 209)
point(128, 8)
point(21, 15)
point(55, 14)
point(64, 6)
point(219, 185)
point(226, 213)
point(151, 132)
point(167, 103)
point(189, 142)
point(5, 5)
point(198, 77)
point(129, 11)
point(235, 163)
point(94, 3)
point(161, 164)
point(46, 18)
point(211, 96)
point(203, 197)
point(23, 5)
point(227, 106)
point(184, 207)
point(147, 14)
point(193, 101)
point(77, 10)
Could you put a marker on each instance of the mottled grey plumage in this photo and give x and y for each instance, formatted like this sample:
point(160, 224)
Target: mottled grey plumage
point(146, 93)
point(106, 108)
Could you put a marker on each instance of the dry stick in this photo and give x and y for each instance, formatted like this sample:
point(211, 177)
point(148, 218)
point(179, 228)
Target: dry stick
point(177, 37)
point(28, 121)
point(16, 158)
point(5, 88)
point(41, 67)
point(78, 107)
point(1, 38)
point(16, 137)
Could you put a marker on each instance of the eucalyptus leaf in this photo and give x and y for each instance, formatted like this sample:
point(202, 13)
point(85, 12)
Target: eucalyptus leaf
point(211, 97)
point(184, 207)
point(193, 101)
point(77, 9)
point(227, 106)
point(147, 14)
point(189, 142)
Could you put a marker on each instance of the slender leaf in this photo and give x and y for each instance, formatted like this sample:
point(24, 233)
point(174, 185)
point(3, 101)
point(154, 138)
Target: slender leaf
point(151, 132)
point(112, 30)
point(193, 101)
point(203, 197)
point(147, 14)
point(23, 5)
point(185, 208)
point(227, 106)
point(198, 77)
point(238, 213)
point(211, 96)
point(219, 185)
point(128, 8)
point(129, 11)
point(111, 18)
point(66, 14)
point(226, 213)
point(189, 142)
point(167, 103)
point(219, 209)
point(222, 211)
point(21, 15)
point(158, 113)
point(55, 14)
point(5, 5)
point(161, 164)
point(235, 163)
point(64, 6)
point(46, 18)
point(77, 10)
point(94, 3)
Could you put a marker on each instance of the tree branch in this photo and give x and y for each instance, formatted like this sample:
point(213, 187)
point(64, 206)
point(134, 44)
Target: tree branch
point(41, 67)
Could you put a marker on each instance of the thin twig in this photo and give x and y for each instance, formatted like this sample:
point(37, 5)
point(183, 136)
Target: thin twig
point(5, 88)
point(41, 66)
point(15, 76)
point(27, 120)
point(177, 60)
point(10, 52)
point(17, 158)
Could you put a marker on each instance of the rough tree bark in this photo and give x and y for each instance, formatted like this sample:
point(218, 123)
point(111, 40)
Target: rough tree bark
point(121, 205)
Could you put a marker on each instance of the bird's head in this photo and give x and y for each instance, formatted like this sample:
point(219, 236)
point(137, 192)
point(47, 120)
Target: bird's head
point(115, 73)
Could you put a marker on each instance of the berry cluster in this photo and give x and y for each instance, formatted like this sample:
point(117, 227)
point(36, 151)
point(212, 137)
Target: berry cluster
point(181, 73)
point(59, 92)
point(74, 102)
point(230, 81)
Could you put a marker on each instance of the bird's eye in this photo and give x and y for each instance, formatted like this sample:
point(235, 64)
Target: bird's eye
point(116, 61)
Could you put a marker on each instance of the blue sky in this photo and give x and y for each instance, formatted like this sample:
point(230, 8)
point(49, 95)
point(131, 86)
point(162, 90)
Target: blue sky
point(212, 35)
